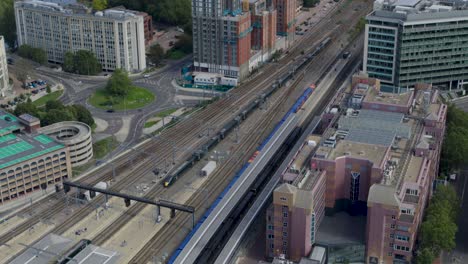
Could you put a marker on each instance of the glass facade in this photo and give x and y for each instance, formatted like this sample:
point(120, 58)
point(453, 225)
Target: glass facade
point(405, 51)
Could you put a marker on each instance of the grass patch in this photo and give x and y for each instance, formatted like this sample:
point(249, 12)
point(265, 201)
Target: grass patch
point(150, 123)
point(165, 113)
point(136, 98)
point(52, 96)
point(358, 28)
point(161, 115)
point(77, 171)
point(102, 147)
point(175, 54)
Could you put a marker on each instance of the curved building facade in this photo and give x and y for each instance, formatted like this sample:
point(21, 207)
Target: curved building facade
point(76, 136)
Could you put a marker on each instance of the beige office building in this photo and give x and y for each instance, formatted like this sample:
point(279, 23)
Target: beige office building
point(116, 37)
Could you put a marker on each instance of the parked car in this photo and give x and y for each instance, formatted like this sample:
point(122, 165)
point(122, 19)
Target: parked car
point(146, 75)
point(110, 111)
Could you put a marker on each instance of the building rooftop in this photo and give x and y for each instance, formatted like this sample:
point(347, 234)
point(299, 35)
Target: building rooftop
point(18, 147)
point(383, 194)
point(76, 9)
point(8, 123)
point(54, 246)
point(374, 153)
point(374, 127)
point(414, 167)
point(419, 10)
point(374, 95)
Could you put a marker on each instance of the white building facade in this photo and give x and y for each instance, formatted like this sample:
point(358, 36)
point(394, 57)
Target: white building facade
point(4, 80)
point(116, 37)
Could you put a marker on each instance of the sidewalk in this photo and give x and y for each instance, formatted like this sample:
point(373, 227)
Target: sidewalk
point(56, 87)
point(166, 120)
point(194, 90)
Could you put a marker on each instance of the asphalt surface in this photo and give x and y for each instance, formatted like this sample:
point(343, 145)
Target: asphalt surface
point(79, 88)
point(462, 103)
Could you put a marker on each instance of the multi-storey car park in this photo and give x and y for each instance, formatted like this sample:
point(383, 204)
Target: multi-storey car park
point(115, 36)
point(29, 161)
point(76, 136)
point(379, 155)
point(415, 41)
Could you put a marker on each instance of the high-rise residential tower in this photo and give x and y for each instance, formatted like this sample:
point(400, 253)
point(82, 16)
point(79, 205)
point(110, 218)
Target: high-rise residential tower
point(221, 37)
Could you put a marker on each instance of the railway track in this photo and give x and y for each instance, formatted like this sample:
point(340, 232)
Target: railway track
point(229, 167)
point(158, 243)
point(215, 114)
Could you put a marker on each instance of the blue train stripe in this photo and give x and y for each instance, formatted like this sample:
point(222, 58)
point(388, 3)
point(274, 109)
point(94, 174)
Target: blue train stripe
point(297, 105)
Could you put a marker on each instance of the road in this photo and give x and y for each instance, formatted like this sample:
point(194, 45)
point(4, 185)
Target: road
point(79, 88)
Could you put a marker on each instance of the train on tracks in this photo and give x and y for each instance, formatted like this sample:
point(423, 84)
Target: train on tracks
point(261, 180)
point(278, 83)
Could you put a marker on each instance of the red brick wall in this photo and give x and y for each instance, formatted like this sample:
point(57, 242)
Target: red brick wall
point(244, 43)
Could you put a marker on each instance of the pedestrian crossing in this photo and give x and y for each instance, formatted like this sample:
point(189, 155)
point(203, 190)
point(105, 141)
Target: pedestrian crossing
point(147, 81)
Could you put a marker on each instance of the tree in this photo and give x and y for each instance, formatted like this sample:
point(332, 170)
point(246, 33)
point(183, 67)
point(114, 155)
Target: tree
point(48, 89)
point(36, 54)
point(174, 12)
point(8, 22)
point(82, 62)
point(83, 115)
point(119, 84)
point(26, 108)
point(99, 4)
point(55, 116)
point(438, 233)
point(54, 104)
point(425, 256)
point(439, 227)
point(156, 54)
point(455, 147)
point(69, 62)
point(184, 43)
point(311, 3)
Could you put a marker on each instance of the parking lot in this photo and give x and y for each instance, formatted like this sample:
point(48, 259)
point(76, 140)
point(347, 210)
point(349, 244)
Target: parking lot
point(166, 37)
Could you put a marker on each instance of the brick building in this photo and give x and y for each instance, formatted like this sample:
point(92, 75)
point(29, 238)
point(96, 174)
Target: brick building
point(378, 156)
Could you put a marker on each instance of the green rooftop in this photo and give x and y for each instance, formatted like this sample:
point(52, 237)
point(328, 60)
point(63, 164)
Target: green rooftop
point(30, 156)
point(7, 138)
point(14, 149)
point(19, 147)
point(43, 139)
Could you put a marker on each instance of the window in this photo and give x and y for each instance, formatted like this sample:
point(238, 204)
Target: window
point(402, 237)
point(272, 246)
point(271, 236)
point(402, 248)
point(285, 243)
point(285, 234)
point(412, 191)
point(285, 214)
point(389, 254)
point(283, 199)
point(392, 226)
point(354, 189)
point(392, 235)
point(285, 224)
point(270, 227)
point(391, 245)
point(393, 217)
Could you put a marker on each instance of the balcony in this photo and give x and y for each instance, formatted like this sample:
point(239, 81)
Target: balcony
point(406, 218)
point(411, 198)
